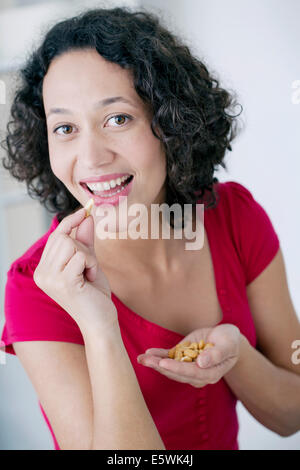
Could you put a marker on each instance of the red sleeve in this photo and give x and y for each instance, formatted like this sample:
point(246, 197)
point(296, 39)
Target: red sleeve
point(257, 240)
point(30, 314)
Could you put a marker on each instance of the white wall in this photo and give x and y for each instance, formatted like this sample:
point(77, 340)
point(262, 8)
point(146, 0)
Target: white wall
point(22, 27)
point(253, 48)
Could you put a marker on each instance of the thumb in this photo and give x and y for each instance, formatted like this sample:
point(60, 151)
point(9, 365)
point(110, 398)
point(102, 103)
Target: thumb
point(85, 235)
point(85, 232)
point(213, 356)
point(225, 339)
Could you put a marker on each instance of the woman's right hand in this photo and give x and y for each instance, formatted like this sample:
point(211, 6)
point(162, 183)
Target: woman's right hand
point(70, 274)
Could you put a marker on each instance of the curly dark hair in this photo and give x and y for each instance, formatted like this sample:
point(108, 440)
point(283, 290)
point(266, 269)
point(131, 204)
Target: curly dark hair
point(188, 106)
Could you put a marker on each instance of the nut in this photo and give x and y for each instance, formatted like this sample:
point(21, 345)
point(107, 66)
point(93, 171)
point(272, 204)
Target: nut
point(186, 359)
point(178, 355)
point(88, 207)
point(185, 343)
point(187, 351)
point(171, 353)
point(190, 353)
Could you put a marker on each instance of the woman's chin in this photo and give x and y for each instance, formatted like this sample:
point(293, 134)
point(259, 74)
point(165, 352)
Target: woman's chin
point(111, 233)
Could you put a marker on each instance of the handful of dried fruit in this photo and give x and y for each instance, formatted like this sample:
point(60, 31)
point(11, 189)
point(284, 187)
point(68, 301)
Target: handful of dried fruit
point(187, 351)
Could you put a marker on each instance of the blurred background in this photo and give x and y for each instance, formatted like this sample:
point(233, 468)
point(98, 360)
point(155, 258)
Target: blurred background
point(252, 48)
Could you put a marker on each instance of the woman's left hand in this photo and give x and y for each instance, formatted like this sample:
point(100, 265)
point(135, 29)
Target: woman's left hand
point(221, 357)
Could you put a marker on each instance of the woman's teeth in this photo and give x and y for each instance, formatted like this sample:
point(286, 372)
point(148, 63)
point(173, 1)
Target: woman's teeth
point(106, 185)
point(95, 188)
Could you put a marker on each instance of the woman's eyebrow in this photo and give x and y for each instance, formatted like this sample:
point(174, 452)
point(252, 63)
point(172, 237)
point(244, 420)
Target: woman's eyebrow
point(99, 104)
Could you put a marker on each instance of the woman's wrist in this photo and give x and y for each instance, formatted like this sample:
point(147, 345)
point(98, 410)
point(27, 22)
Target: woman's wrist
point(101, 330)
point(244, 347)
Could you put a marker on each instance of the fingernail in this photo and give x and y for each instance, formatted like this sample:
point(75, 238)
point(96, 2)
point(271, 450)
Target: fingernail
point(204, 361)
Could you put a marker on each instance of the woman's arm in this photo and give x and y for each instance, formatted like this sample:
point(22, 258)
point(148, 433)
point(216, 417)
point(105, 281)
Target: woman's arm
point(265, 379)
point(270, 393)
point(121, 417)
point(69, 273)
point(60, 375)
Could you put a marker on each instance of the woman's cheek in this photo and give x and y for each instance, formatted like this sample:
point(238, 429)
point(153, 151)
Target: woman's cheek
point(58, 166)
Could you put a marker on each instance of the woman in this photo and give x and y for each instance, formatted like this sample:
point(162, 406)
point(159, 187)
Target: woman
point(111, 95)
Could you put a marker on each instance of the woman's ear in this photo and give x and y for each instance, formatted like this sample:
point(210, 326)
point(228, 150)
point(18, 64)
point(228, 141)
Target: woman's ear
point(158, 131)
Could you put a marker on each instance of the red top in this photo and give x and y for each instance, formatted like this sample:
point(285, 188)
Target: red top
point(243, 242)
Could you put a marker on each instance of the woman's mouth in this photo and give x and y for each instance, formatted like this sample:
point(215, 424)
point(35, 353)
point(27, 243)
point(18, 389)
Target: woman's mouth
point(110, 195)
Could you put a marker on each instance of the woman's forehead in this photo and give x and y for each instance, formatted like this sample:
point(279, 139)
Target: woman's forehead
point(71, 77)
point(77, 67)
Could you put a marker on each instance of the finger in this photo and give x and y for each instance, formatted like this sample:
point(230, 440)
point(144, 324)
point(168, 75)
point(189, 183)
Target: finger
point(70, 222)
point(85, 232)
point(213, 374)
point(73, 271)
point(188, 372)
point(157, 352)
point(153, 362)
point(213, 356)
point(61, 253)
point(90, 261)
point(180, 369)
point(63, 249)
point(180, 378)
point(64, 227)
point(85, 235)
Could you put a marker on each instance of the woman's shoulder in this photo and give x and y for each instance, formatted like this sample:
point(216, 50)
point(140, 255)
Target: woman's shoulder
point(233, 198)
point(251, 226)
point(227, 194)
point(232, 189)
point(235, 189)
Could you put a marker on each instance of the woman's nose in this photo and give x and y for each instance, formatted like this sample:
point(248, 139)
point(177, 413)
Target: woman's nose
point(95, 151)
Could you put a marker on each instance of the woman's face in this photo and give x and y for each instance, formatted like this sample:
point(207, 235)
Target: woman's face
point(88, 140)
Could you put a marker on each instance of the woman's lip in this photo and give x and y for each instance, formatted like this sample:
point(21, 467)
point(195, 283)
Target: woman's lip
point(103, 192)
point(98, 200)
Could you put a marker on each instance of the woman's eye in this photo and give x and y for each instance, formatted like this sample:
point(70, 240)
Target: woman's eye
point(119, 119)
point(118, 116)
point(62, 127)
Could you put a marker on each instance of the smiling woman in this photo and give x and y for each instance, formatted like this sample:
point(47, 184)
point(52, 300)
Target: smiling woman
point(109, 94)
point(151, 87)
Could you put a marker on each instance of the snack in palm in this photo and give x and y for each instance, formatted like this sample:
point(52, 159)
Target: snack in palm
point(187, 351)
